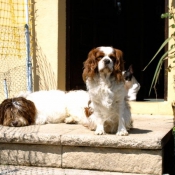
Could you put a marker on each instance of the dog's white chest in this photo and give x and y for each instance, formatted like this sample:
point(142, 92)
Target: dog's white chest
point(105, 93)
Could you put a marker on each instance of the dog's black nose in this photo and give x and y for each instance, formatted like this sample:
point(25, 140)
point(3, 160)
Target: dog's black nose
point(106, 61)
point(15, 123)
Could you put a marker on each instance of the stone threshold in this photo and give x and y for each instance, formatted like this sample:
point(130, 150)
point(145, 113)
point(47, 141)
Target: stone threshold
point(149, 132)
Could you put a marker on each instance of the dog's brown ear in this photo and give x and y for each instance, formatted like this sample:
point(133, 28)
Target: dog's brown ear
point(4, 109)
point(88, 110)
point(90, 65)
point(1, 115)
point(119, 65)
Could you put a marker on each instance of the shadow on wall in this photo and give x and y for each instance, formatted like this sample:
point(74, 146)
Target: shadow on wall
point(43, 75)
point(173, 3)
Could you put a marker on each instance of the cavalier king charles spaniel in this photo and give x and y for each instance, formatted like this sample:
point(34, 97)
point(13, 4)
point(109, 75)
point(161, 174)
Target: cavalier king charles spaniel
point(41, 107)
point(105, 84)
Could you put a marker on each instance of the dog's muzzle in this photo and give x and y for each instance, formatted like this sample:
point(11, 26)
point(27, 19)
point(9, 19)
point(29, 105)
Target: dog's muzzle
point(106, 61)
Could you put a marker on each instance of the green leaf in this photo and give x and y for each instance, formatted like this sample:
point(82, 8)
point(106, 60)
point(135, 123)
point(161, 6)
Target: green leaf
point(171, 16)
point(157, 71)
point(173, 25)
point(172, 46)
point(174, 129)
point(164, 15)
point(168, 69)
point(156, 75)
point(161, 47)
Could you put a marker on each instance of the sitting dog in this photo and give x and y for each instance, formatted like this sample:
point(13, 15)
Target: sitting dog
point(41, 107)
point(105, 83)
point(131, 84)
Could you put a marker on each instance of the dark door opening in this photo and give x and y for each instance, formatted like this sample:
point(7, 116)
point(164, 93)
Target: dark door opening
point(135, 27)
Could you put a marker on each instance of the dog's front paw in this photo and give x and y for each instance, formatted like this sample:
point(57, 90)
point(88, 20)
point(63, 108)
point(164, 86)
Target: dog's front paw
point(122, 132)
point(70, 120)
point(99, 130)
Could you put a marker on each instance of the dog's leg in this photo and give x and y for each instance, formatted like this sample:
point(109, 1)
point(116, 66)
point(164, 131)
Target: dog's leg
point(71, 120)
point(121, 125)
point(121, 128)
point(100, 127)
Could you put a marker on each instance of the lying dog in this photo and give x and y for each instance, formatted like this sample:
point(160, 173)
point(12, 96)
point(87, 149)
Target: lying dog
point(43, 107)
point(105, 83)
point(131, 84)
point(17, 111)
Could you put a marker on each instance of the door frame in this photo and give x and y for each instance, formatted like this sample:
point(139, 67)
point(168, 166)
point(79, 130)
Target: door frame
point(68, 12)
point(68, 31)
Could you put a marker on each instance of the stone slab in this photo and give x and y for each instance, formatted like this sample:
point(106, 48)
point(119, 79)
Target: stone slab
point(76, 147)
point(149, 132)
point(30, 155)
point(112, 159)
point(49, 134)
point(24, 170)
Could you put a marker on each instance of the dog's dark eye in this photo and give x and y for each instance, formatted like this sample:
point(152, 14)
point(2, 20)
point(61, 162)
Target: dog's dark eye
point(99, 58)
point(112, 58)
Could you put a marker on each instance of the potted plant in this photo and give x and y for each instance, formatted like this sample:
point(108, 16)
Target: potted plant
point(169, 54)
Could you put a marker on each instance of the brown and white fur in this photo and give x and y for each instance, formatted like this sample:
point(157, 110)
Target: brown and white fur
point(17, 111)
point(105, 84)
point(42, 107)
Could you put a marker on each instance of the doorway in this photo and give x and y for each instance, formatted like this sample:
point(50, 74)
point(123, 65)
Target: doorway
point(135, 27)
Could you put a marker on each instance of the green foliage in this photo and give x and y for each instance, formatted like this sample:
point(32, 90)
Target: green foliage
point(170, 54)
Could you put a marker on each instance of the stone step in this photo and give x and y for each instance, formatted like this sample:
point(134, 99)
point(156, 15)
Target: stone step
point(144, 151)
point(26, 170)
